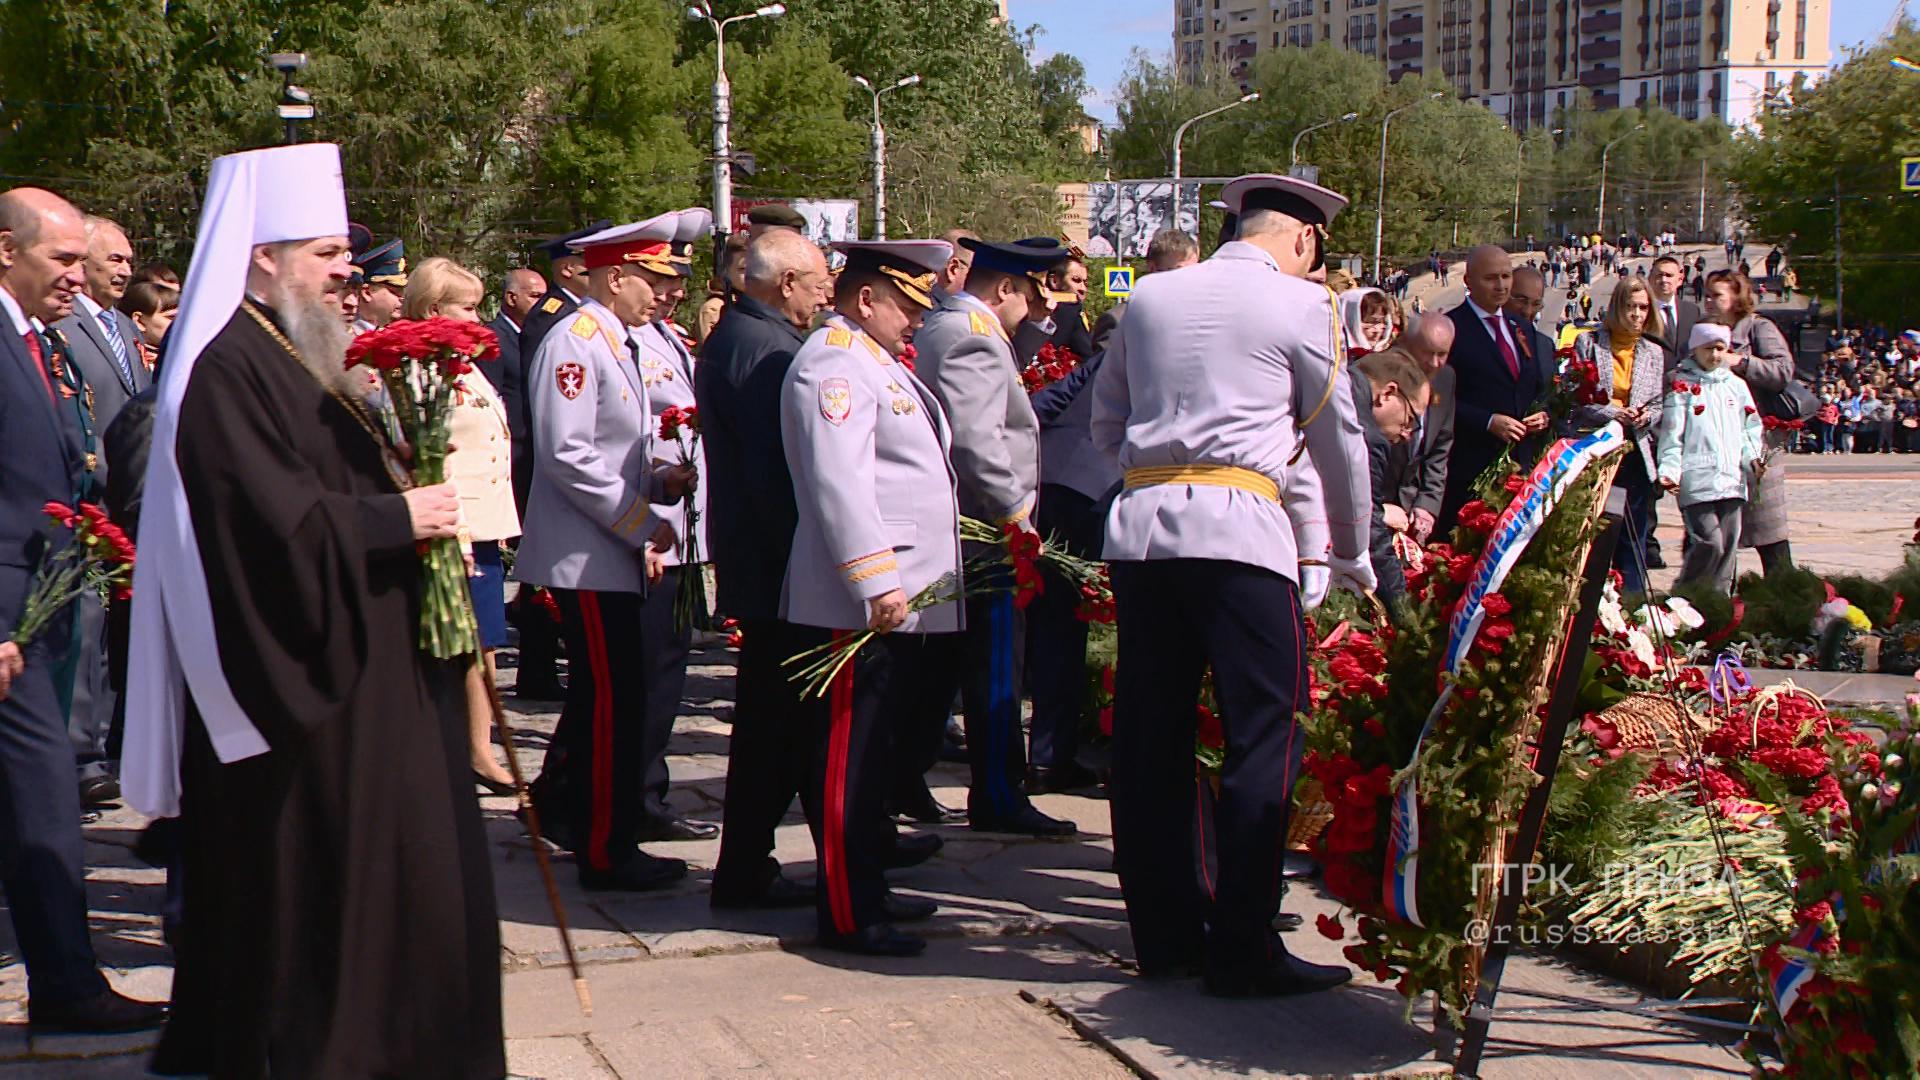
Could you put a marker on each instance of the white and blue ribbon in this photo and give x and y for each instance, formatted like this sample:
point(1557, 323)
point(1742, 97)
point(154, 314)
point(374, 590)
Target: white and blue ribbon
point(1515, 529)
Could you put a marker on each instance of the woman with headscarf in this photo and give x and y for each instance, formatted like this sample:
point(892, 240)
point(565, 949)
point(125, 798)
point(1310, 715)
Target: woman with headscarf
point(1367, 316)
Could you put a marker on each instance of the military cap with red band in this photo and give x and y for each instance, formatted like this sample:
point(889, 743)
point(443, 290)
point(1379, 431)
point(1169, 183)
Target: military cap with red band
point(647, 244)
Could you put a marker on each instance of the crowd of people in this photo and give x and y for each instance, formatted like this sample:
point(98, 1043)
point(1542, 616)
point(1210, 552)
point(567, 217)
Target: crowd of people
point(1869, 391)
point(1243, 434)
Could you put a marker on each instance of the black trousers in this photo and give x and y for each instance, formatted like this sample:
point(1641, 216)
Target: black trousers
point(601, 737)
point(1057, 639)
point(539, 643)
point(768, 755)
point(663, 661)
point(1176, 616)
point(846, 786)
point(40, 844)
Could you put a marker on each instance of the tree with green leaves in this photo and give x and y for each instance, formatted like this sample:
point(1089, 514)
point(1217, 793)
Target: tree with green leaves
point(1836, 146)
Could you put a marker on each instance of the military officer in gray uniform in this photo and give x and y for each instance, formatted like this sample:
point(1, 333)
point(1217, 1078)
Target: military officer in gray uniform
point(595, 537)
point(867, 443)
point(966, 356)
point(1209, 386)
point(666, 368)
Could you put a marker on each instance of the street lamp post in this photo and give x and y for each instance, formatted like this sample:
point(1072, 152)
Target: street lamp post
point(723, 107)
point(1517, 173)
point(880, 153)
point(1173, 212)
point(1600, 226)
point(1293, 158)
point(1380, 204)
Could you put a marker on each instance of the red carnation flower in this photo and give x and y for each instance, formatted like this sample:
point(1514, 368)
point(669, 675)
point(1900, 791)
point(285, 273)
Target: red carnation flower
point(1329, 927)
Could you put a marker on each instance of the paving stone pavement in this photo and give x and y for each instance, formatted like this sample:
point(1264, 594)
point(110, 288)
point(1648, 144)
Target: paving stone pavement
point(1025, 975)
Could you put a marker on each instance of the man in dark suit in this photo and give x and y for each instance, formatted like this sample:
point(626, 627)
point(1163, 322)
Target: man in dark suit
point(1497, 384)
point(1417, 468)
point(105, 348)
point(520, 290)
point(1529, 298)
point(537, 679)
point(42, 244)
point(1677, 315)
point(751, 516)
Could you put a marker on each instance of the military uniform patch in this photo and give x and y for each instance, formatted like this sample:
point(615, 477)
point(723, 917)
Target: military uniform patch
point(585, 327)
point(978, 323)
point(550, 305)
point(571, 377)
point(839, 338)
point(836, 400)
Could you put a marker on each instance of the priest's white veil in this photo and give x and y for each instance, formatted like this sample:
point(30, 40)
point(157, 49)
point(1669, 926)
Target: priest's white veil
point(255, 197)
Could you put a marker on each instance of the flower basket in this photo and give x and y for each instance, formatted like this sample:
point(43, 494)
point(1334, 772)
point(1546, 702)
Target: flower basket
point(1656, 724)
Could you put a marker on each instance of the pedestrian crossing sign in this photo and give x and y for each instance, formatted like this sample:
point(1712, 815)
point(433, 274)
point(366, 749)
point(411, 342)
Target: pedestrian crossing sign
point(1120, 278)
point(1910, 174)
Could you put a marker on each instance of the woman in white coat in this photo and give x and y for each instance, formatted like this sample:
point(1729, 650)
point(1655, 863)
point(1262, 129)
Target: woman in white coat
point(481, 467)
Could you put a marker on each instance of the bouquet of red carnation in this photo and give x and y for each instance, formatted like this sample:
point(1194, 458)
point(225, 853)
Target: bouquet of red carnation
point(983, 573)
point(1051, 364)
point(420, 363)
point(681, 427)
point(99, 557)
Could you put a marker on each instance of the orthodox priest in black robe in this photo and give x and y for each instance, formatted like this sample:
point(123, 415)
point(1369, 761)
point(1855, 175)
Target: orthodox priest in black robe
point(339, 916)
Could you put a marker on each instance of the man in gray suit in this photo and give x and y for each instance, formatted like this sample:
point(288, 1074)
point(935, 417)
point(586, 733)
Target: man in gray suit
point(105, 346)
point(594, 540)
point(1210, 386)
point(1418, 468)
point(877, 523)
point(966, 357)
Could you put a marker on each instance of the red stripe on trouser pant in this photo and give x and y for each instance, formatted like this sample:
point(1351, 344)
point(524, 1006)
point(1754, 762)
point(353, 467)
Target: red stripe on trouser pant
point(833, 832)
point(602, 675)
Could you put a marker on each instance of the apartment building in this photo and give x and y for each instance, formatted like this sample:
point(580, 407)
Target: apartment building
point(1523, 59)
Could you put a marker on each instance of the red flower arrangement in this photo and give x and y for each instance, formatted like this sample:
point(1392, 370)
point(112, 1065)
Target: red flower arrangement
point(1051, 364)
point(98, 556)
point(420, 363)
point(908, 354)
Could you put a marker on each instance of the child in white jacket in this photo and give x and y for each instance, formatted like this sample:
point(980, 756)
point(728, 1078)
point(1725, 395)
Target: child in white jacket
point(1710, 436)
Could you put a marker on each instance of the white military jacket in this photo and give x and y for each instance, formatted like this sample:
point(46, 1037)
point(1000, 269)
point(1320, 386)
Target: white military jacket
point(866, 443)
point(1217, 365)
point(588, 513)
point(667, 370)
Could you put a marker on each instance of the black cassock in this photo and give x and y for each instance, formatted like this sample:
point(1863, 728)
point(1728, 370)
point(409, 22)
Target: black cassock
point(339, 911)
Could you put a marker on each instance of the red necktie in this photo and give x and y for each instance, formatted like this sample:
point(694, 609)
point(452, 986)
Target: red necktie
point(1506, 350)
point(39, 361)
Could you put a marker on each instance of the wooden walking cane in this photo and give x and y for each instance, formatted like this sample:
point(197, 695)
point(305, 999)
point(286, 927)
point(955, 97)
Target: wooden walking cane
point(531, 818)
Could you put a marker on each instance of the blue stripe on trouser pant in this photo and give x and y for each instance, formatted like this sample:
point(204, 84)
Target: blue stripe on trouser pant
point(990, 693)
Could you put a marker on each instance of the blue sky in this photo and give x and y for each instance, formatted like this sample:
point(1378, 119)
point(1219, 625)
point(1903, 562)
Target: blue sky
point(1102, 32)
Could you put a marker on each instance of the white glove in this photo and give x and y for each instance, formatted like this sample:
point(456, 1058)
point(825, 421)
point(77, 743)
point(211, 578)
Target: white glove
point(1314, 581)
point(1356, 573)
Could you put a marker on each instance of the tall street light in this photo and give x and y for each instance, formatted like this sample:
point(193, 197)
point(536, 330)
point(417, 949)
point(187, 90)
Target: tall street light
point(1293, 157)
point(1517, 172)
point(723, 107)
point(1380, 206)
point(1173, 212)
point(880, 153)
point(1600, 226)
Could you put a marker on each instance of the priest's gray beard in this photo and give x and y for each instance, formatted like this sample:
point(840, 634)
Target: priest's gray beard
point(317, 334)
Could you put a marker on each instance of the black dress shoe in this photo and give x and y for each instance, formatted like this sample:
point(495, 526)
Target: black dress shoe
point(1028, 821)
point(928, 811)
point(1287, 921)
point(1285, 975)
point(641, 873)
point(678, 829)
point(780, 892)
point(1654, 561)
point(493, 787)
point(910, 849)
point(99, 792)
point(1045, 779)
point(880, 939)
point(106, 1013)
point(902, 908)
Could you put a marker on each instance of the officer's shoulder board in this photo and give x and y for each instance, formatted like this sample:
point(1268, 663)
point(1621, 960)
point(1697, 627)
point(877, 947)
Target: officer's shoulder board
point(839, 337)
point(550, 305)
point(585, 326)
point(978, 323)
